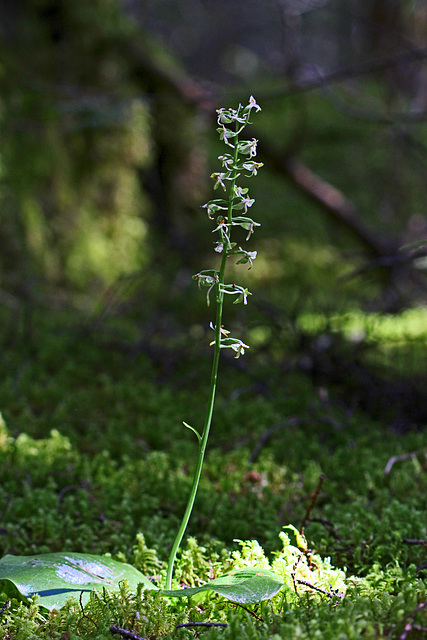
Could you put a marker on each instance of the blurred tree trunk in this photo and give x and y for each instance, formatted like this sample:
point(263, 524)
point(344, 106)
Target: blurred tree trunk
point(388, 34)
point(71, 74)
point(176, 179)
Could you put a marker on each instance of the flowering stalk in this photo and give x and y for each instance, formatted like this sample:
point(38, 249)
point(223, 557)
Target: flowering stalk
point(238, 200)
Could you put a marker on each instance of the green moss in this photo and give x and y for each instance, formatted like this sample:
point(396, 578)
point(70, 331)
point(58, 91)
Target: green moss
point(94, 458)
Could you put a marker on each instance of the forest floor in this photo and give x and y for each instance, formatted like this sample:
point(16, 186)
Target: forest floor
point(94, 459)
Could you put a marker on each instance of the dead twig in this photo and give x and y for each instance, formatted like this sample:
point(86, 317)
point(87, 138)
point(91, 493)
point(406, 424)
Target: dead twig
point(251, 613)
point(84, 615)
point(336, 205)
point(201, 624)
point(125, 633)
point(401, 458)
point(6, 606)
point(369, 115)
point(320, 79)
point(415, 541)
point(331, 200)
point(410, 625)
point(330, 594)
point(381, 249)
point(294, 572)
point(328, 525)
point(314, 497)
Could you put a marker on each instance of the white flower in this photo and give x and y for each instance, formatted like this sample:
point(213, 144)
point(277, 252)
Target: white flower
point(229, 115)
point(247, 202)
point(248, 256)
point(223, 229)
point(212, 208)
point(224, 134)
point(248, 147)
point(249, 226)
point(252, 167)
point(226, 161)
point(222, 332)
point(243, 196)
point(207, 280)
point(219, 180)
point(239, 347)
point(253, 104)
point(243, 297)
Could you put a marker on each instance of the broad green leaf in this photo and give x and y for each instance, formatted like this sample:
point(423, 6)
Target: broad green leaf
point(245, 586)
point(57, 577)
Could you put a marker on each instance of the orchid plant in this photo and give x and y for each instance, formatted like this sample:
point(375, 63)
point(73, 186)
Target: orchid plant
point(227, 212)
point(56, 577)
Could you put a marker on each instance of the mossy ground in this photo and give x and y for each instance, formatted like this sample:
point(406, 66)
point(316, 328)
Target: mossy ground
point(93, 454)
point(94, 457)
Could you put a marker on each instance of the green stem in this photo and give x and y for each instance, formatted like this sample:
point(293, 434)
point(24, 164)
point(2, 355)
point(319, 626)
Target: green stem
point(214, 376)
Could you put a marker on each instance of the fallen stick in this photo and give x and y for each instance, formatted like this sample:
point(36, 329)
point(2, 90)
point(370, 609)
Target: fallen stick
point(201, 624)
point(125, 633)
point(320, 590)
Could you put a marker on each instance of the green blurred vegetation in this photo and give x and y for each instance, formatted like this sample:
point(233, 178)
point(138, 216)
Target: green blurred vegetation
point(103, 170)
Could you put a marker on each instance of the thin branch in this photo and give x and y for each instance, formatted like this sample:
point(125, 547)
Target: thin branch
point(183, 86)
point(201, 624)
point(317, 79)
point(294, 572)
point(409, 626)
point(329, 526)
point(180, 84)
point(314, 497)
point(125, 633)
point(335, 203)
point(251, 613)
point(331, 200)
point(330, 594)
point(84, 615)
point(370, 115)
point(381, 262)
point(401, 458)
point(6, 606)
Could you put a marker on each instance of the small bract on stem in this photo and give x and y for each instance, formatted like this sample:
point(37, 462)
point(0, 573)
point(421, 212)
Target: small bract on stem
point(231, 122)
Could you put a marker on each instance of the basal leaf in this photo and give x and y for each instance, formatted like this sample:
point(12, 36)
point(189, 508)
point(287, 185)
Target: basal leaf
point(57, 577)
point(245, 586)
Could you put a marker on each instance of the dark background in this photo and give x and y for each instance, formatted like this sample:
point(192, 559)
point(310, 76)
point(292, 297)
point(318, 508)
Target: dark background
point(107, 116)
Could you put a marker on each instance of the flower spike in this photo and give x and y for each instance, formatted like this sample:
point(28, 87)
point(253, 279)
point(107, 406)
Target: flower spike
point(221, 210)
